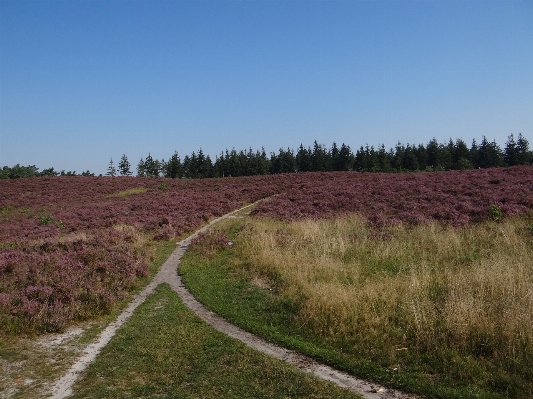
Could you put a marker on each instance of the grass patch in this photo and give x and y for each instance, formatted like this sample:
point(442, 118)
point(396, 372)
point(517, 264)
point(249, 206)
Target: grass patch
point(165, 351)
point(438, 311)
point(130, 191)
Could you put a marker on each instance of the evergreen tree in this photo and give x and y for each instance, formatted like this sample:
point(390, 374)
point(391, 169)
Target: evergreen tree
point(200, 165)
point(233, 162)
point(434, 155)
point(111, 170)
point(284, 162)
point(208, 170)
point(19, 172)
point(489, 154)
point(319, 158)
point(385, 159)
point(263, 162)
point(220, 166)
point(422, 157)
point(173, 168)
point(141, 168)
point(124, 166)
point(461, 156)
point(447, 155)
point(523, 155)
point(510, 151)
point(186, 166)
point(242, 164)
point(151, 166)
point(335, 157)
point(49, 172)
point(4, 173)
point(398, 157)
point(303, 159)
point(360, 160)
point(193, 166)
point(474, 154)
point(69, 173)
point(410, 160)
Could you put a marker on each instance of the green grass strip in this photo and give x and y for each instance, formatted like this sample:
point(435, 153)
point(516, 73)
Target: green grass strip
point(165, 351)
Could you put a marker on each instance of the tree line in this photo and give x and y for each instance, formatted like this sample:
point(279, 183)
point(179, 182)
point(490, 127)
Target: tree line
point(18, 172)
point(402, 158)
point(434, 156)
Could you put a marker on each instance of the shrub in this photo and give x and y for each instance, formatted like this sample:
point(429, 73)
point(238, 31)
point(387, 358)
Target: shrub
point(495, 212)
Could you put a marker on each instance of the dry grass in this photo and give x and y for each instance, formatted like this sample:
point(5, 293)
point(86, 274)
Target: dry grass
point(131, 191)
point(430, 287)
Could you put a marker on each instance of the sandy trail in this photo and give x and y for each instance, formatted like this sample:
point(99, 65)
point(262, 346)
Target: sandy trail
point(168, 274)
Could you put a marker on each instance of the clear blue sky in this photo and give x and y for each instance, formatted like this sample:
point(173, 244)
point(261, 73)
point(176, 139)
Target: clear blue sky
point(85, 81)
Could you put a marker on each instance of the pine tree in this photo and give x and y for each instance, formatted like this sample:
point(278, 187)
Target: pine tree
point(434, 154)
point(334, 153)
point(345, 157)
point(489, 154)
point(510, 151)
point(320, 158)
point(151, 166)
point(173, 168)
point(141, 168)
point(461, 156)
point(410, 160)
point(124, 166)
point(523, 155)
point(111, 170)
point(303, 159)
point(187, 167)
point(421, 156)
point(208, 167)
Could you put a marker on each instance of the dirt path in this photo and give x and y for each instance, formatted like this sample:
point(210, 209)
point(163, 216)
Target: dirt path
point(168, 274)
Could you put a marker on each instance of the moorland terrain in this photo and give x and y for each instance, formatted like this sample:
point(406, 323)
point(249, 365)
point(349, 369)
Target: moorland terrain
point(421, 281)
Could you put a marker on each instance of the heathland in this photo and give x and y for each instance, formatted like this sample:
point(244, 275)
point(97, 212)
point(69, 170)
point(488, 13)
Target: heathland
point(419, 280)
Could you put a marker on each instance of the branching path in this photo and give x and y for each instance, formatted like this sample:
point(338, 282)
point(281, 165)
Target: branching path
point(168, 274)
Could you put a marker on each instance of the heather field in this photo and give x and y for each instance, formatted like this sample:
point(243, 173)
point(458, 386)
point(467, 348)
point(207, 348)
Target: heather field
point(422, 282)
point(71, 247)
point(453, 197)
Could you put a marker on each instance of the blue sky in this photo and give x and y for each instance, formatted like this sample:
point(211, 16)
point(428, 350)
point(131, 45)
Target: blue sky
point(85, 81)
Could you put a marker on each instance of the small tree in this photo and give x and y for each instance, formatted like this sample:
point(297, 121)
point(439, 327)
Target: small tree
point(151, 166)
point(141, 168)
point(173, 168)
point(523, 154)
point(510, 151)
point(111, 170)
point(49, 172)
point(124, 166)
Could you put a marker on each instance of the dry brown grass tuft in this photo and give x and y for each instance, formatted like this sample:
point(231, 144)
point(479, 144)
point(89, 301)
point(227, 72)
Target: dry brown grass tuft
point(429, 286)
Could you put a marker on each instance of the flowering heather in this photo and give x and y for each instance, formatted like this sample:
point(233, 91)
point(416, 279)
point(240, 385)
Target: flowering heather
point(46, 286)
point(454, 197)
point(69, 246)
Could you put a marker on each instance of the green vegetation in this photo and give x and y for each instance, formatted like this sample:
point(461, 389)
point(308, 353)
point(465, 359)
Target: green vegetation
point(166, 351)
point(402, 158)
point(438, 311)
point(495, 212)
point(21, 172)
point(131, 191)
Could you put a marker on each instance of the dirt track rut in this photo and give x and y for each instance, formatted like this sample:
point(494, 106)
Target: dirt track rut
point(168, 274)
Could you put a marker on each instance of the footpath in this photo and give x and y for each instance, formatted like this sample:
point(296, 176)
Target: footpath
point(168, 274)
